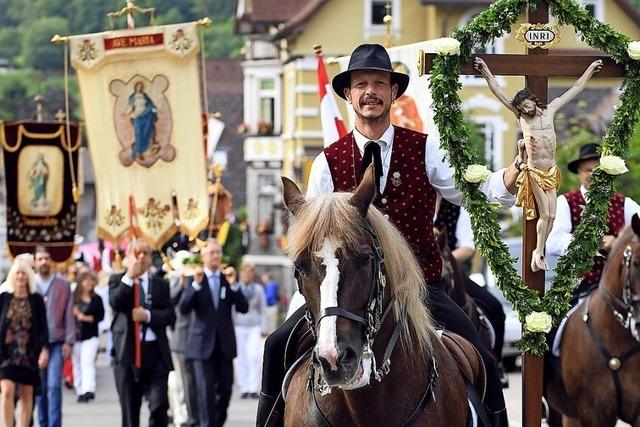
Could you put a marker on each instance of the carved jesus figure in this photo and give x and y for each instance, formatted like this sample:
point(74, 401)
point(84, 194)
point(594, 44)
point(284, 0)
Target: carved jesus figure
point(540, 175)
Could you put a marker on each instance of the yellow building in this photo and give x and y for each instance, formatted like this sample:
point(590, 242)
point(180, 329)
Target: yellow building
point(340, 25)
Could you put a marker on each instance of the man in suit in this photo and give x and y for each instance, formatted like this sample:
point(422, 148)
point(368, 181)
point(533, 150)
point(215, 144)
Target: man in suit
point(211, 342)
point(154, 314)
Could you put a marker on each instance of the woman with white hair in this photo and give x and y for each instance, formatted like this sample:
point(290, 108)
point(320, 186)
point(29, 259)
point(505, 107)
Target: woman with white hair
point(23, 339)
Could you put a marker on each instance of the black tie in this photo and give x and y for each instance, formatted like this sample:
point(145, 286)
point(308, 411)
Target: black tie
point(372, 154)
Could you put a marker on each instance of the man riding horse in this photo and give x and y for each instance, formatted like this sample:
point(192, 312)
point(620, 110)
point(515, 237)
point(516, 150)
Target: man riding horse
point(410, 171)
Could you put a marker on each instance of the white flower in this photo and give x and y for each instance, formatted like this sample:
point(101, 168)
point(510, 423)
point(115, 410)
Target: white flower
point(613, 165)
point(633, 49)
point(476, 173)
point(538, 322)
point(447, 46)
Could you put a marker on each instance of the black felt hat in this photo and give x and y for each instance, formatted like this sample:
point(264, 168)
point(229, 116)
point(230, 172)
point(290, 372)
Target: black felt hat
point(587, 152)
point(369, 57)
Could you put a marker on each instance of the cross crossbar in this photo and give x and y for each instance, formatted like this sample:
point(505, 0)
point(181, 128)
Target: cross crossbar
point(544, 65)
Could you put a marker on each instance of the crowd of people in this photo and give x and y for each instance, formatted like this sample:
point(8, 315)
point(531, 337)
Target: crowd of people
point(55, 320)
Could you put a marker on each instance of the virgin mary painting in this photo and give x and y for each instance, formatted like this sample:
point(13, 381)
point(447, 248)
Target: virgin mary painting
point(143, 120)
point(144, 115)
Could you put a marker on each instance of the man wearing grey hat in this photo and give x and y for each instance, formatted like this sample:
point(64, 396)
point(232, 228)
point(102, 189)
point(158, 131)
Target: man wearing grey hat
point(410, 170)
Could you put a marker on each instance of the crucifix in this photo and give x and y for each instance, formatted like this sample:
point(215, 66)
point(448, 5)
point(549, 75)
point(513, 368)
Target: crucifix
point(537, 66)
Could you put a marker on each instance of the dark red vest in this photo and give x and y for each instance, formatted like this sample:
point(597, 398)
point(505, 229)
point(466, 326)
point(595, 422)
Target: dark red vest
point(615, 223)
point(408, 200)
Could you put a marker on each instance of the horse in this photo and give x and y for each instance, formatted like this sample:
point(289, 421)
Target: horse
point(599, 377)
point(453, 280)
point(377, 359)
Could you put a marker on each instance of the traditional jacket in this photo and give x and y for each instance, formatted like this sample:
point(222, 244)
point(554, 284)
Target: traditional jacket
point(615, 223)
point(408, 199)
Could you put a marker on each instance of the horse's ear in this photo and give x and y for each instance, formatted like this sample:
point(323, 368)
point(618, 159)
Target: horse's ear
point(635, 224)
point(293, 197)
point(365, 193)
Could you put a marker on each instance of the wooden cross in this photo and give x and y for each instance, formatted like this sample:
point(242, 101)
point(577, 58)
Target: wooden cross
point(537, 73)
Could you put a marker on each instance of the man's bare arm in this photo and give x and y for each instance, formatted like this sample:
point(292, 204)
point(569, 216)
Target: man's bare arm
point(577, 87)
point(495, 88)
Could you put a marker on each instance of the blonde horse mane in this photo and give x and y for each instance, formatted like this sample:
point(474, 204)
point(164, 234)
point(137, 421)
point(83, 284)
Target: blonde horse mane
point(332, 216)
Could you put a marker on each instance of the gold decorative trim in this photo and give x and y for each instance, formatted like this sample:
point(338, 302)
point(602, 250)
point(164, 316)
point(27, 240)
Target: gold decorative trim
point(546, 42)
point(22, 131)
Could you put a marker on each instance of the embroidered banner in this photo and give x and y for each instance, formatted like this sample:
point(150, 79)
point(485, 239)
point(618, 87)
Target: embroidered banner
point(140, 92)
point(38, 162)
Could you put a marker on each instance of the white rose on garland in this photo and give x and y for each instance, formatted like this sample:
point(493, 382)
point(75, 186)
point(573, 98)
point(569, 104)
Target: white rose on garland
point(613, 165)
point(538, 322)
point(476, 173)
point(633, 49)
point(447, 46)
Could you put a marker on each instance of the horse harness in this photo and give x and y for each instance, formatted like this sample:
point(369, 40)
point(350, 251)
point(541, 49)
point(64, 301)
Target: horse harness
point(373, 320)
point(624, 312)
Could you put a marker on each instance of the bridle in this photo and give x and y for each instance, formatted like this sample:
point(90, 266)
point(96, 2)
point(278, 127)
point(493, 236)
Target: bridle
point(624, 309)
point(625, 313)
point(375, 313)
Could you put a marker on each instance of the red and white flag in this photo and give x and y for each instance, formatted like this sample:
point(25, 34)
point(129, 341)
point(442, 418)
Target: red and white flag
point(332, 123)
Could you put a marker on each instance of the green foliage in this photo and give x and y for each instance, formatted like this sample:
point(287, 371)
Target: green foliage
point(26, 28)
point(454, 138)
point(17, 92)
point(37, 50)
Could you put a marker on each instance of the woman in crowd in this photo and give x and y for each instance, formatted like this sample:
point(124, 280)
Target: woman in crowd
point(23, 339)
point(88, 311)
point(248, 328)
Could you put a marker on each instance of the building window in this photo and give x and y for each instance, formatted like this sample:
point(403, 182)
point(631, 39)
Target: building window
point(378, 12)
point(266, 200)
point(374, 13)
point(267, 102)
point(594, 7)
point(496, 47)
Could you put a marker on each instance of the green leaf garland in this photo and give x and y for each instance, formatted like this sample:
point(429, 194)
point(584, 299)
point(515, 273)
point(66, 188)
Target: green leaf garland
point(445, 85)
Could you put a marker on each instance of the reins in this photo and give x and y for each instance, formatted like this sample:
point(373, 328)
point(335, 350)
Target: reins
point(624, 312)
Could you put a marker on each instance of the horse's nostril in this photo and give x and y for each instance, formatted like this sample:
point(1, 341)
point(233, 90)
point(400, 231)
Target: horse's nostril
point(347, 356)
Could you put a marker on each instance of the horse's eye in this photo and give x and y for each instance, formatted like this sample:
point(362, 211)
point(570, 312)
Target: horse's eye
point(362, 260)
point(301, 269)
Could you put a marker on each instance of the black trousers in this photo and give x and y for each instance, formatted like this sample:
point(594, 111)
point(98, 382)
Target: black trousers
point(444, 311)
point(492, 308)
point(151, 383)
point(214, 380)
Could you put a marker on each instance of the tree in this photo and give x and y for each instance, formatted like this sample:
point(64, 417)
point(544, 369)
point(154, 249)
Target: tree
point(221, 41)
point(16, 92)
point(37, 50)
point(10, 43)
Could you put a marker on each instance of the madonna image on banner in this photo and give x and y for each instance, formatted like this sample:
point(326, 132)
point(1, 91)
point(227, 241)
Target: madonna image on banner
point(143, 120)
point(40, 180)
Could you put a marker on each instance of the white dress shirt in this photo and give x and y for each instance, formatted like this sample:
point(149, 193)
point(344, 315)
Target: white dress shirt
point(144, 282)
point(560, 236)
point(464, 233)
point(439, 172)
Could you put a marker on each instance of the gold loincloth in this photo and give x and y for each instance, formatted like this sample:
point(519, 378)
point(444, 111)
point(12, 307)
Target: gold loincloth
point(548, 180)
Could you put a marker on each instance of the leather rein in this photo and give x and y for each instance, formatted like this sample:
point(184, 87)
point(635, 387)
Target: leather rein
point(625, 314)
point(375, 315)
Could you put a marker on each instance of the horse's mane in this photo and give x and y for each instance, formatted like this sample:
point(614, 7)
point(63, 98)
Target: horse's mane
point(614, 260)
point(332, 216)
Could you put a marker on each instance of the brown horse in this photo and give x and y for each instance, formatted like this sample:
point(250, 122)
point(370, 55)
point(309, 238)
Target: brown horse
point(453, 279)
point(599, 379)
point(364, 293)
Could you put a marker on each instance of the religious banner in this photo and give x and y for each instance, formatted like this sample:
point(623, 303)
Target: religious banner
point(140, 92)
point(412, 110)
point(39, 162)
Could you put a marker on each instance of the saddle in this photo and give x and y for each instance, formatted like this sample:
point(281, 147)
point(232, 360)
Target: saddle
point(472, 370)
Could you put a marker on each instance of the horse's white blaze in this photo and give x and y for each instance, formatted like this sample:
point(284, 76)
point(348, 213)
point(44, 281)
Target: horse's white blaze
point(327, 336)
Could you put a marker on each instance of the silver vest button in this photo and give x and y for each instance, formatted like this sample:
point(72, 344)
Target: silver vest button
point(384, 201)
